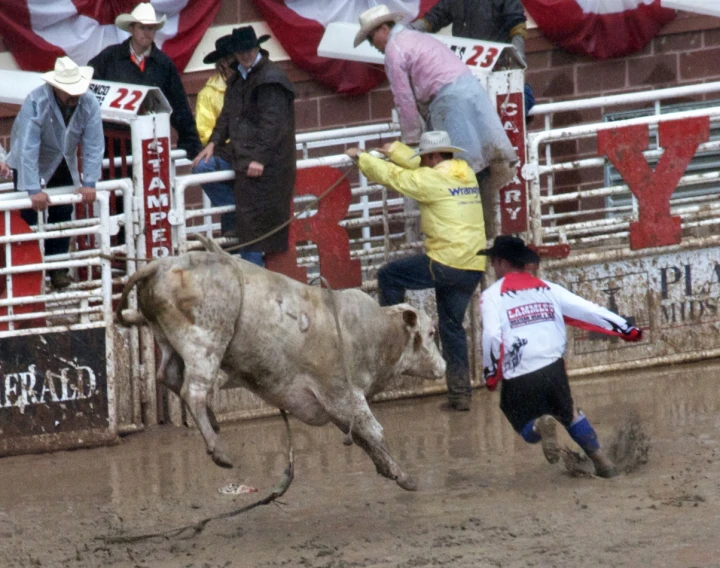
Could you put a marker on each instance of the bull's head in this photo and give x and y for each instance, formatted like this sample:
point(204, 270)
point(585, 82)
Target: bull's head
point(421, 356)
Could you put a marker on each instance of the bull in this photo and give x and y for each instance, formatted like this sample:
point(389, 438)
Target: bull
point(280, 339)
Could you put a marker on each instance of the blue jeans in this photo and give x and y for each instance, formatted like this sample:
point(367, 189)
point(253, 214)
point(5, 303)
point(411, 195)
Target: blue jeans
point(453, 290)
point(252, 256)
point(529, 99)
point(220, 193)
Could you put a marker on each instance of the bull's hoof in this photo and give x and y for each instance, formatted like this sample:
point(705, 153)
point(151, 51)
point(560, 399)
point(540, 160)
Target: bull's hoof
point(221, 458)
point(407, 482)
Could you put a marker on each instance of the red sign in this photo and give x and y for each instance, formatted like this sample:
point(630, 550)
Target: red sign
point(322, 229)
point(624, 147)
point(513, 197)
point(25, 283)
point(477, 55)
point(156, 193)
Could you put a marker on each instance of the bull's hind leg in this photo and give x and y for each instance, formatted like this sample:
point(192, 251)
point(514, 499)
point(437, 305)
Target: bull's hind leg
point(171, 372)
point(201, 369)
point(367, 433)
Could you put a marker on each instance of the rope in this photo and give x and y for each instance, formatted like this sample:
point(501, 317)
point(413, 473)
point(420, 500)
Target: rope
point(198, 527)
point(304, 210)
point(298, 214)
point(341, 347)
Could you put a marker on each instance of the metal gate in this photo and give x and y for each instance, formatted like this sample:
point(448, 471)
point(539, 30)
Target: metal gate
point(58, 350)
point(638, 231)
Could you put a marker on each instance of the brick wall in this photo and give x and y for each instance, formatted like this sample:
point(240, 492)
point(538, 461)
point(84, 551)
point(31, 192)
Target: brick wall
point(686, 52)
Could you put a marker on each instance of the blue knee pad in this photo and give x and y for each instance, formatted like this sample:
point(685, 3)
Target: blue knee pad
point(584, 434)
point(529, 434)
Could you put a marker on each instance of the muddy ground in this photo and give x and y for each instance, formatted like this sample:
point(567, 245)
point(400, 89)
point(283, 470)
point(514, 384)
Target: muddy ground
point(485, 497)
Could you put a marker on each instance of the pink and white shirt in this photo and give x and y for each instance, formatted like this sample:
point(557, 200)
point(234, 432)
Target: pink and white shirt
point(418, 66)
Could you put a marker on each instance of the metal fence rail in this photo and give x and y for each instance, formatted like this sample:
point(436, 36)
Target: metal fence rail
point(603, 223)
point(377, 217)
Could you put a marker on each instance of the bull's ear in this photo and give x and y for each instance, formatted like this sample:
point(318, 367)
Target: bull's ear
point(410, 318)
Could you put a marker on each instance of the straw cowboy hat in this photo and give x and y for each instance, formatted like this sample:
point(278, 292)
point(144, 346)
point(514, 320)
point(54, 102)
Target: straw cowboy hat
point(142, 14)
point(435, 141)
point(373, 18)
point(68, 77)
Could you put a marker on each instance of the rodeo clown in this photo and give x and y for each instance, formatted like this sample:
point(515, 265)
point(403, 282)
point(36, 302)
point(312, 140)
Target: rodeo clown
point(524, 341)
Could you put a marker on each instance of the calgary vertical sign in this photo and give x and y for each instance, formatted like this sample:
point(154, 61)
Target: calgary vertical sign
point(513, 197)
point(156, 192)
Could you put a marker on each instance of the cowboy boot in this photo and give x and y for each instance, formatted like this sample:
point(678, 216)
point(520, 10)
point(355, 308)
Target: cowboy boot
point(603, 466)
point(546, 426)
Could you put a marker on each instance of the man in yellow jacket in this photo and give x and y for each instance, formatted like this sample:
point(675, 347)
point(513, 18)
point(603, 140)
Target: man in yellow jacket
point(451, 217)
point(208, 107)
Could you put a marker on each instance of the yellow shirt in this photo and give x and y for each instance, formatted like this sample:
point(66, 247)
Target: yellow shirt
point(209, 105)
point(451, 214)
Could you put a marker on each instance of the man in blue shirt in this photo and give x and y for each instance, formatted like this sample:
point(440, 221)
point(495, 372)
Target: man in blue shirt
point(54, 120)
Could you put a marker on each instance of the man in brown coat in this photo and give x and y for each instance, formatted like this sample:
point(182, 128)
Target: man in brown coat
point(258, 119)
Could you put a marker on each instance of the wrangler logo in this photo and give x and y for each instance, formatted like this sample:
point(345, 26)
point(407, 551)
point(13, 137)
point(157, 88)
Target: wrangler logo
point(455, 191)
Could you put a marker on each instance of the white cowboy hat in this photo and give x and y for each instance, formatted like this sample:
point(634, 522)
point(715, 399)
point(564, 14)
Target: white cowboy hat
point(435, 141)
point(374, 17)
point(142, 14)
point(68, 77)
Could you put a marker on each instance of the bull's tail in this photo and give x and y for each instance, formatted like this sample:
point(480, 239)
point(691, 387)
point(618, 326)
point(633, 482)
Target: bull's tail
point(210, 244)
point(142, 274)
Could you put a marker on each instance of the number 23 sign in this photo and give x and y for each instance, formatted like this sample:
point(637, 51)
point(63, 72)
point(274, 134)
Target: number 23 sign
point(477, 55)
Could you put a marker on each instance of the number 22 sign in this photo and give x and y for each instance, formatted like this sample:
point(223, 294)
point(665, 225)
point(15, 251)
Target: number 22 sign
point(126, 99)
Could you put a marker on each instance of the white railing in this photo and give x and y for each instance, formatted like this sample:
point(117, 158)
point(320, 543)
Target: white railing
point(88, 302)
point(373, 208)
point(591, 215)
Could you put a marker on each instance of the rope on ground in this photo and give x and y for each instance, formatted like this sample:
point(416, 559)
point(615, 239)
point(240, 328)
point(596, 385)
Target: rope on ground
point(195, 529)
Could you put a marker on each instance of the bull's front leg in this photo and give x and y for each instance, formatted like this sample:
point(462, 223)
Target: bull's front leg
point(368, 433)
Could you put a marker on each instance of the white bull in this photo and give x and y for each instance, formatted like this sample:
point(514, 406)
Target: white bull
point(278, 338)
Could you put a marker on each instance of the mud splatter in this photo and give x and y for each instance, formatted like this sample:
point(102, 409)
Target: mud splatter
point(576, 463)
point(628, 449)
point(630, 446)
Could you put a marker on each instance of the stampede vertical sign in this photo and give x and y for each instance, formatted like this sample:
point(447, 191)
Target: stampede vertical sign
point(156, 193)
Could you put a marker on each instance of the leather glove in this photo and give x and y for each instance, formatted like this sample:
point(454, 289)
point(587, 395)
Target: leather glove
point(420, 25)
point(518, 42)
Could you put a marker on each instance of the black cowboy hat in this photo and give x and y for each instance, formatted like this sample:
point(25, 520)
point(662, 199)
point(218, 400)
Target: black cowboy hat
point(512, 249)
point(222, 49)
point(244, 39)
